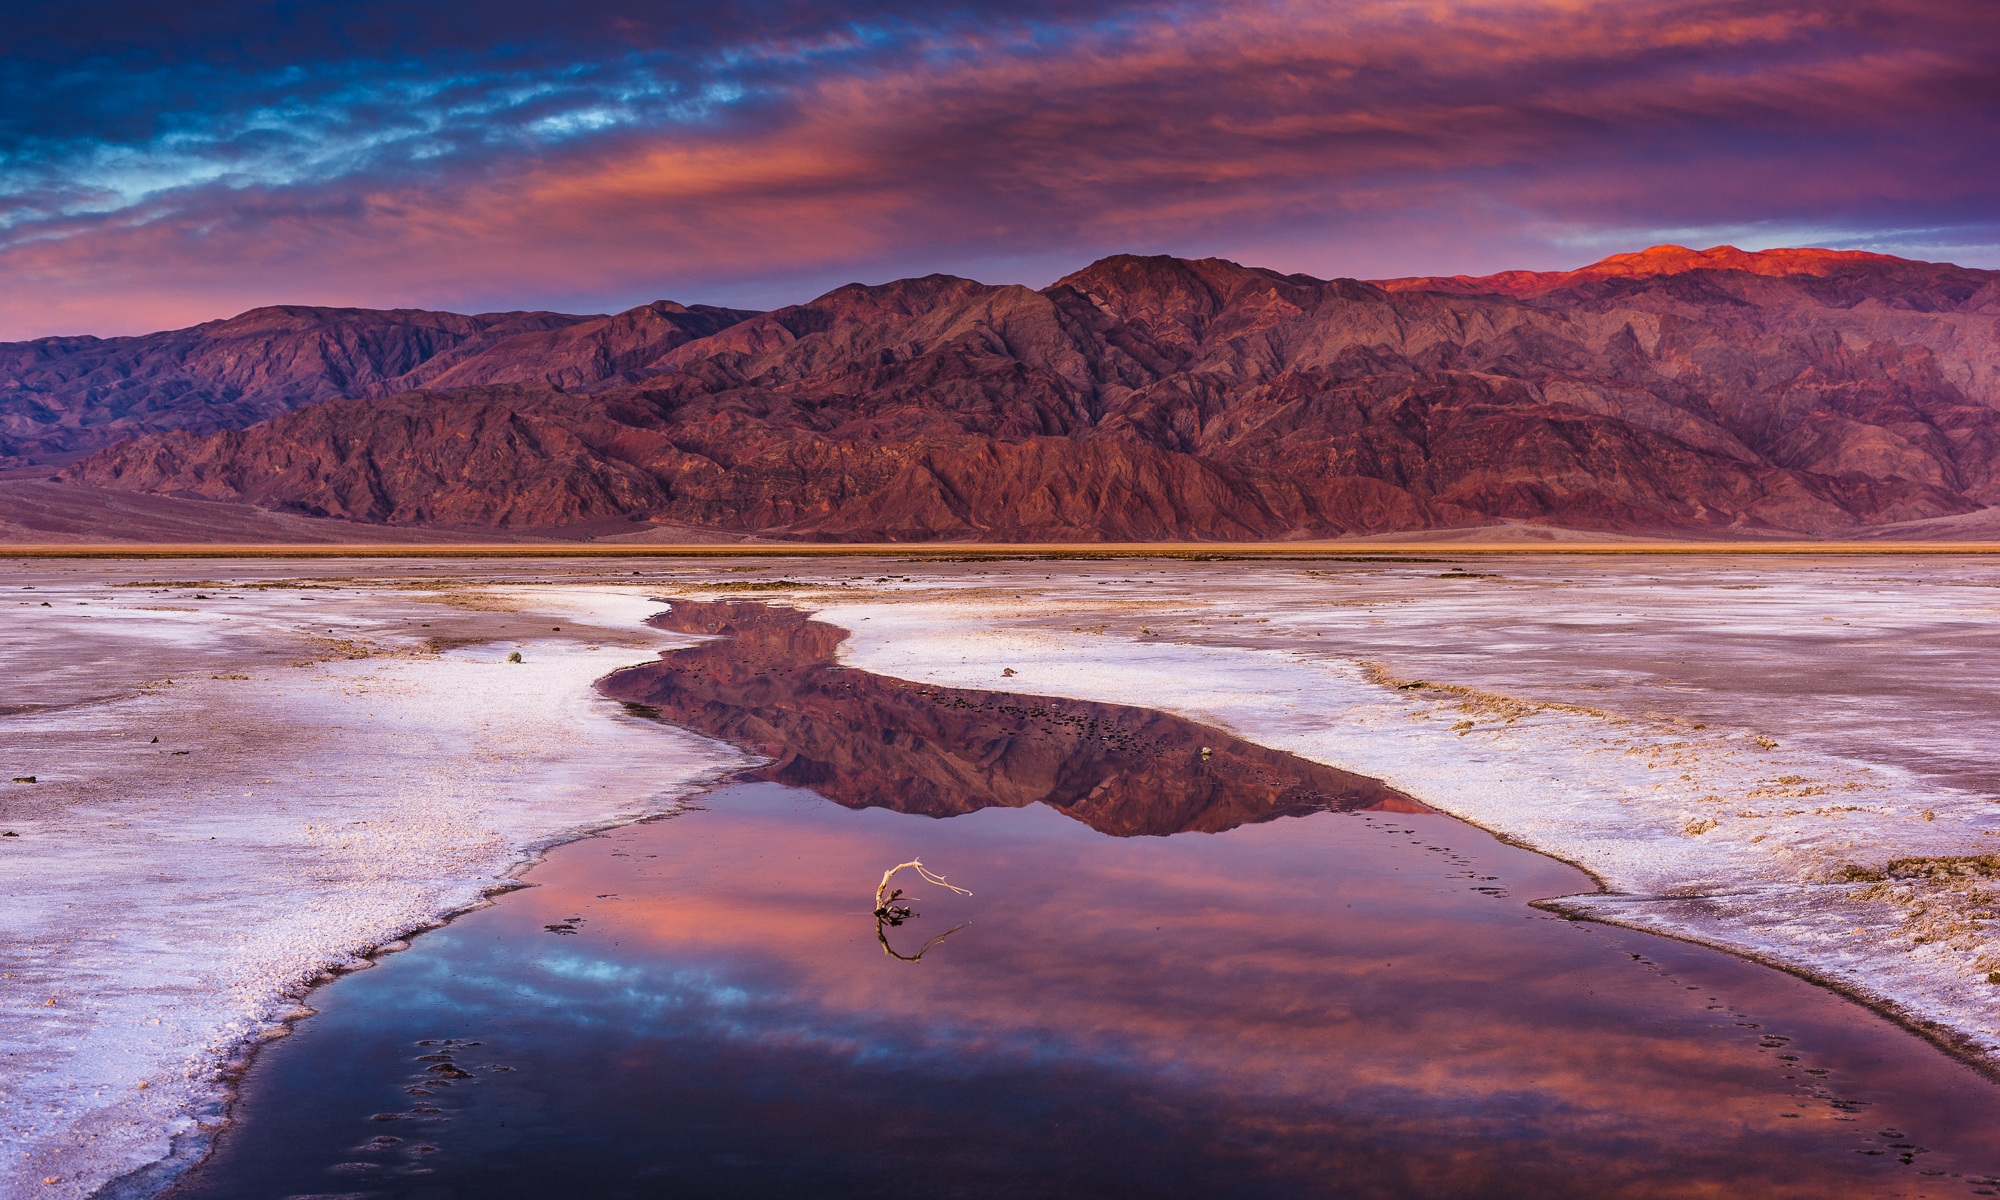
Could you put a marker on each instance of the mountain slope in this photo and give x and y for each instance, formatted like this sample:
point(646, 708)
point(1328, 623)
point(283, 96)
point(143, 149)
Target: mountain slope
point(1675, 390)
point(60, 395)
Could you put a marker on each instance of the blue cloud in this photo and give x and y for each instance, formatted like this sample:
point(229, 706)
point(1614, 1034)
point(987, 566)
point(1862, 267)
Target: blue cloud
point(121, 103)
point(168, 163)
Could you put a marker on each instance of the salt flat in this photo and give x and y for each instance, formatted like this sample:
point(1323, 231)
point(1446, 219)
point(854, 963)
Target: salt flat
point(1791, 760)
point(323, 782)
point(1747, 752)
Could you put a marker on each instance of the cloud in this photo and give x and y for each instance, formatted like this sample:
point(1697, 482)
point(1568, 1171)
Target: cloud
point(540, 160)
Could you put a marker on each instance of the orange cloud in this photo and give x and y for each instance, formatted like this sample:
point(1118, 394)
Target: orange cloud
point(1366, 139)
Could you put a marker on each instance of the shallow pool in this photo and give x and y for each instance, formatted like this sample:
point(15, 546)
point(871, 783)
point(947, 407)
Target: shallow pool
point(1284, 1000)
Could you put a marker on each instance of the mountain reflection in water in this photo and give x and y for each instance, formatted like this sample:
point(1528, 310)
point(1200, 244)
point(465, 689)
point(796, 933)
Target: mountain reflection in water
point(769, 683)
point(1342, 1006)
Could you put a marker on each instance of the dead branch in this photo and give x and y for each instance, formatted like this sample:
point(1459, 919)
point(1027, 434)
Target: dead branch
point(881, 900)
point(892, 908)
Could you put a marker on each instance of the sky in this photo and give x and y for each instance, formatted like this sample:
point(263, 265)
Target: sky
point(164, 164)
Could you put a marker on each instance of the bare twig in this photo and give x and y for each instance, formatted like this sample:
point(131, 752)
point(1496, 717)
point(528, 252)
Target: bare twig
point(881, 899)
point(891, 908)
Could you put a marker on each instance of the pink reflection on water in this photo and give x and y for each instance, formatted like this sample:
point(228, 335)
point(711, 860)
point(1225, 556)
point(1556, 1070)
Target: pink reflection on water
point(1311, 985)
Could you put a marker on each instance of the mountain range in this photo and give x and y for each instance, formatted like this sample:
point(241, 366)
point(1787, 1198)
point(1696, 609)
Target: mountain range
point(1699, 393)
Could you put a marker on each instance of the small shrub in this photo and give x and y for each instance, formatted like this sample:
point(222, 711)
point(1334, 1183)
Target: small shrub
point(513, 656)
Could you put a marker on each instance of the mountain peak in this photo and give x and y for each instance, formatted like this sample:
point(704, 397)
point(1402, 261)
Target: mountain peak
point(1177, 298)
point(1675, 260)
point(1649, 263)
point(898, 297)
point(1157, 272)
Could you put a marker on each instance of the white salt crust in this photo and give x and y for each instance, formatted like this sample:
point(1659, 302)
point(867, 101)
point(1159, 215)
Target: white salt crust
point(163, 924)
point(1708, 834)
point(353, 802)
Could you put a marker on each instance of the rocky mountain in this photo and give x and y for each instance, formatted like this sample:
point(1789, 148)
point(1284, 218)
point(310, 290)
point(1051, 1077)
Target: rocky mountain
point(1662, 260)
point(1697, 392)
point(59, 395)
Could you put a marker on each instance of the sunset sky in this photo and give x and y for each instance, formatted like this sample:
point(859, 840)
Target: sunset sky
point(165, 164)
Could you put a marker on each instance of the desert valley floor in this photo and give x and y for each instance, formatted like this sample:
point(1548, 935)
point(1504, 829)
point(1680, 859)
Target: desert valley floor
point(238, 781)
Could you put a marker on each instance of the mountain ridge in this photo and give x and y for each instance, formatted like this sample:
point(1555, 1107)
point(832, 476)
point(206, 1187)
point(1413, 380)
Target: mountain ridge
point(65, 394)
point(1159, 398)
point(1665, 259)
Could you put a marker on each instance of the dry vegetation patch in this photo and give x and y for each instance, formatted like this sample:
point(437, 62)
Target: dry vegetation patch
point(756, 585)
point(475, 601)
point(1944, 900)
point(1472, 701)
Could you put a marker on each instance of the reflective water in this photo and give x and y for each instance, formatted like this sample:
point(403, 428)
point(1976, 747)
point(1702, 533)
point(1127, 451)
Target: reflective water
point(1308, 1003)
point(769, 682)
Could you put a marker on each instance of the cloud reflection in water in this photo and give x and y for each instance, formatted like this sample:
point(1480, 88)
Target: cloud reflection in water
point(1305, 1006)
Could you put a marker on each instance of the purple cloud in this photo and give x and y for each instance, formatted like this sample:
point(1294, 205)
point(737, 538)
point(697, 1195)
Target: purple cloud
point(761, 161)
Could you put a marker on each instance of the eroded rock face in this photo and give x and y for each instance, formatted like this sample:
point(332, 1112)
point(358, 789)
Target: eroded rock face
point(1673, 391)
point(769, 683)
point(512, 457)
point(79, 393)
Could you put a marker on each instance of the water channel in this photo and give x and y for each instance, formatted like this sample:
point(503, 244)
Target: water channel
point(1187, 966)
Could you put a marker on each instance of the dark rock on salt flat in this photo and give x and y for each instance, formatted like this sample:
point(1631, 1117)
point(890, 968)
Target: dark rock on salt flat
point(1156, 398)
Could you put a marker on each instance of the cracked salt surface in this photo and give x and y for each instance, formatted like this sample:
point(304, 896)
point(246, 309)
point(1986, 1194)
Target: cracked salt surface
point(169, 902)
point(1853, 867)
